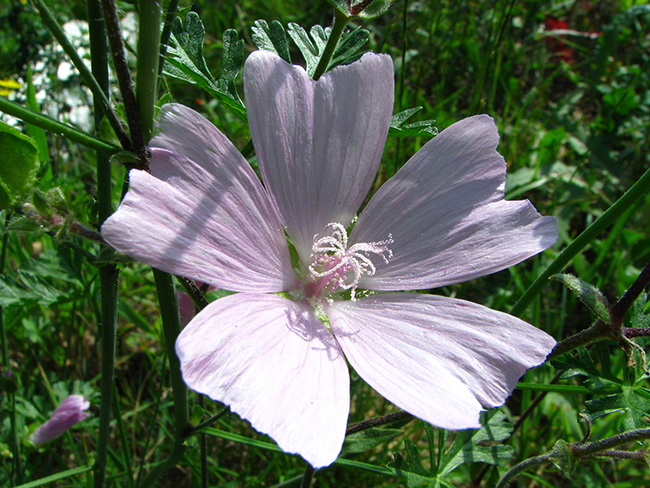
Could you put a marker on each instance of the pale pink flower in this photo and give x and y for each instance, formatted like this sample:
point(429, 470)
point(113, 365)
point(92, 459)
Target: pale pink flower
point(64, 416)
point(276, 352)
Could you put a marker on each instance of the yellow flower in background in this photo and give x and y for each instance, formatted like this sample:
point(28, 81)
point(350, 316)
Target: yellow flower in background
point(7, 86)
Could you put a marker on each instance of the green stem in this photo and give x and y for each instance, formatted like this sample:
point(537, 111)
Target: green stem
point(3, 260)
point(44, 122)
point(340, 21)
point(90, 80)
point(108, 275)
point(307, 477)
point(124, 80)
point(588, 449)
point(377, 421)
point(523, 466)
point(148, 55)
point(126, 453)
point(17, 473)
point(171, 328)
point(626, 201)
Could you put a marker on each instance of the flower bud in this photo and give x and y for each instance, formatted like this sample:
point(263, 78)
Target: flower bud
point(64, 416)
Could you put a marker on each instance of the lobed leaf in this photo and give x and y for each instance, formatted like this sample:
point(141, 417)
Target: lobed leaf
point(185, 62)
point(271, 38)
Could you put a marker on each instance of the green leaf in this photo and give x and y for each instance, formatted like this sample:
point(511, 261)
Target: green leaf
point(271, 38)
point(349, 47)
point(562, 457)
point(232, 61)
point(185, 61)
point(588, 294)
point(399, 127)
point(312, 46)
point(19, 164)
point(43, 281)
point(311, 51)
point(633, 402)
point(479, 446)
point(368, 439)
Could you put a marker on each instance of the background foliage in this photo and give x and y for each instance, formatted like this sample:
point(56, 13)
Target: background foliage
point(568, 84)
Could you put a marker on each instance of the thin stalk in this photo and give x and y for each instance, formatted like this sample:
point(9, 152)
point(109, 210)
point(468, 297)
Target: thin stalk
point(146, 86)
point(126, 453)
point(17, 473)
point(523, 466)
point(211, 420)
point(376, 422)
point(340, 21)
point(99, 94)
point(3, 260)
point(307, 477)
point(171, 328)
point(44, 122)
point(629, 198)
point(166, 32)
point(108, 275)
point(123, 75)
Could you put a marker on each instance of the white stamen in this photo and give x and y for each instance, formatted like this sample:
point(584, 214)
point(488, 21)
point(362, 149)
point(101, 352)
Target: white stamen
point(333, 250)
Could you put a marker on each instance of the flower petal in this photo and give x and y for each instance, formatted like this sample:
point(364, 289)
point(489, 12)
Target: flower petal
point(275, 363)
point(439, 358)
point(70, 412)
point(446, 214)
point(318, 143)
point(209, 220)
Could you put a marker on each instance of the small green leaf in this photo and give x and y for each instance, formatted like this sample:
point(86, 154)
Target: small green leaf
point(271, 38)
point(312, 46)
point(19, 164)
point(479, 446)
point(368, 439)
point(185, 62)
point(349, 47)
point(399, 127)
point(588, 294)
point(633, 402)
point(562, 457)
point(40, 203)
point(310, 52)
point(232, 61)
point(24, 224)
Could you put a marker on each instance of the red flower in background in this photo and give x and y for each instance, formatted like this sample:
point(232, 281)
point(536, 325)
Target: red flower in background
point(555, 44)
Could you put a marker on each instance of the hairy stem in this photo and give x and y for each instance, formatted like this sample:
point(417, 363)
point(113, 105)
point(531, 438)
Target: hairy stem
point(124, 80)
point(108, 274)
point(376, 422)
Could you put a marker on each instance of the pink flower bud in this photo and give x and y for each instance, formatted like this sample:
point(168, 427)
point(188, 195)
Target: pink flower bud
point(64, 416)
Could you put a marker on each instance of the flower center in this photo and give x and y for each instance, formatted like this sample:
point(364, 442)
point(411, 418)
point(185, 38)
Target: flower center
point(336, 267)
